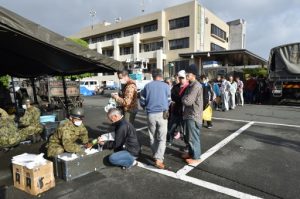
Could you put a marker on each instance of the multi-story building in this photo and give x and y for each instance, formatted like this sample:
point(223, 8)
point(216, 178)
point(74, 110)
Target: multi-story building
point(158, 38)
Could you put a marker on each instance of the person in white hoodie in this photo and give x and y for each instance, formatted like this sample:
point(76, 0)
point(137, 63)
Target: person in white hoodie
point(232, 92)
point(225, 87)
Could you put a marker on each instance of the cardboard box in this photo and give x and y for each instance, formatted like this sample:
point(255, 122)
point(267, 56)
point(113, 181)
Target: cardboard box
point(18, 176)
point(36, 180)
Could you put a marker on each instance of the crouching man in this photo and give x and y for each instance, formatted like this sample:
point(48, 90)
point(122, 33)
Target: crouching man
point(68, 134)
point(125, 145)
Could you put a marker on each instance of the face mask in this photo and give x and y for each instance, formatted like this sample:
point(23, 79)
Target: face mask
point(78, 123)
point(122, 81)
point(24, 106)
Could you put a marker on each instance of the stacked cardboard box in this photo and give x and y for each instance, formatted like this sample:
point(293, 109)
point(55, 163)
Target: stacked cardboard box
point(35, 180)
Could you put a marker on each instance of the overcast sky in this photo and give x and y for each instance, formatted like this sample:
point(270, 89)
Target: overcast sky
point(269, 22)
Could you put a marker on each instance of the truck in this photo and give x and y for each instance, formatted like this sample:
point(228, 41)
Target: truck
point(52, 92)
point(284, 73)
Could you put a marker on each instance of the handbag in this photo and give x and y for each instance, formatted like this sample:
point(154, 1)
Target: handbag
point(207, 113)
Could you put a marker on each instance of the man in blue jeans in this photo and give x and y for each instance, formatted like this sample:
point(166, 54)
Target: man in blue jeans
point(192, 102)
point(126, 145)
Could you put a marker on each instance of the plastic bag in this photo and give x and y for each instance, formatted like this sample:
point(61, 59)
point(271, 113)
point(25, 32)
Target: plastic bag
point(207, 113)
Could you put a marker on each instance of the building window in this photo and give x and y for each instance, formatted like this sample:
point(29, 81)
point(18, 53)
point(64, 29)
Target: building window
point(215, 47)
point(151, 27)
point(153, 46)
point(179, 23)
point(126, 50)
point(113, 35)
point(215, 30)
point(108, 52)
point(132, 31)
point(180, 65)
point(179, 43)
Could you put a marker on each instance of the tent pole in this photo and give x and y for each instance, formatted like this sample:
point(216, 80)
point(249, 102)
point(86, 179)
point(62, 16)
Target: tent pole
point(34, 90)
point(65, 94)
point(15, 97)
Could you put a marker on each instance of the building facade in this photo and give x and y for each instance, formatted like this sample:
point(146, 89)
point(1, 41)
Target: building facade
point(155, 40)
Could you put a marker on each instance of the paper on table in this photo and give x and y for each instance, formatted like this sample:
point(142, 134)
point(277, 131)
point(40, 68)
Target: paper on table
point(108, 137)
point(67, 156)
point(29, 160)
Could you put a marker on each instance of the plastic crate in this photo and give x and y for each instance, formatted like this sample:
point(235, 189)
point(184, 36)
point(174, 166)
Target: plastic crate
point(47, 118)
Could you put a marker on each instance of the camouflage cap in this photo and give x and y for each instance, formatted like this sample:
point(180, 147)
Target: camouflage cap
point(77, 112)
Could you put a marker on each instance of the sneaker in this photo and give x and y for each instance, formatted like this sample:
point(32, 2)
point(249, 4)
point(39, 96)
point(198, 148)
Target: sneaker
point(159, 164)
point(185, 156)
point(193, 161)
point(135, 163)
point(177, 135)
point(209, 126)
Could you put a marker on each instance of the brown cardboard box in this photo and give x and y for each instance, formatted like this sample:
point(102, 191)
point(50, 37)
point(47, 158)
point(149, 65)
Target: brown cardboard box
point(18, 176)
point(37, 180)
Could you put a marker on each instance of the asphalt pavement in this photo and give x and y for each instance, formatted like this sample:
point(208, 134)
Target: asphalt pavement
point(251, 152)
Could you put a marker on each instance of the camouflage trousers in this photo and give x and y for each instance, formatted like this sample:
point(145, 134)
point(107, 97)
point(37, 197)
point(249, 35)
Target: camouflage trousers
point(54, 149)
point(9, 135)
point(30, 130)
point(9, 139)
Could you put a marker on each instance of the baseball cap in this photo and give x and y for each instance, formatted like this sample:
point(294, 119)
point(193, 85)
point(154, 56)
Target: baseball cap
point(181, 73)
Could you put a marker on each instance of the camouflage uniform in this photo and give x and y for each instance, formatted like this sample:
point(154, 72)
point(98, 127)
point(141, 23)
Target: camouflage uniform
point(30, 123)
point(64, 139)
point(8, 131)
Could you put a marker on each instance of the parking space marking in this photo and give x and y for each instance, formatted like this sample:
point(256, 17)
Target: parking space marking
point(257, 122)
point(143, 128)
point(187, 168)
point(198, 182)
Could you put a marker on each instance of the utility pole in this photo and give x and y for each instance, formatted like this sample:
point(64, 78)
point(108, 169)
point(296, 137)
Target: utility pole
point(143, 6)
point(92, 14)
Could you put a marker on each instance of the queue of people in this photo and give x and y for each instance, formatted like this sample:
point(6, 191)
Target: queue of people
point(173, 111)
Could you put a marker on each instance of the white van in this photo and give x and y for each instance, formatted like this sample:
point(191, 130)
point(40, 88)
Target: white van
point(91, 85)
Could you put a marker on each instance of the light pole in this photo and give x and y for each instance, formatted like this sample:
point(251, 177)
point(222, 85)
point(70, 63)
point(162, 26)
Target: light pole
point(92, 14)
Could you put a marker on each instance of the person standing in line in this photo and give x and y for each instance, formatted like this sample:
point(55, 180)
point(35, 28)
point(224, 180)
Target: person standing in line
point(225, 86)
point(232, 92)
point(192, 102)
point(128, 98)
point(155, 98)
point(217, 87)
point(208, 96)
point(176, 123)
point(239, 91)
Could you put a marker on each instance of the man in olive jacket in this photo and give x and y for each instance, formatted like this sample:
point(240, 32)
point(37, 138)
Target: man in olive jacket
point(192, 115)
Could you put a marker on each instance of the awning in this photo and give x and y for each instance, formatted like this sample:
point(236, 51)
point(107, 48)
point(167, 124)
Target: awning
point(30, 50)
point(240, 57)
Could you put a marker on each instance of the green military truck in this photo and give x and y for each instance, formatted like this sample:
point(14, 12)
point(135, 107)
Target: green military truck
point(284, 73)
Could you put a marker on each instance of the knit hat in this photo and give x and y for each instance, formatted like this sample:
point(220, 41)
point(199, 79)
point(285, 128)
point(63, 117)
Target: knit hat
point(192, 69)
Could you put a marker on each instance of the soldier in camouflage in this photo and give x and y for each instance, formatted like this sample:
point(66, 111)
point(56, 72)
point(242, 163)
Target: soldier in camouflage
point(29, 124)
point(68, 133)
point(9, 135)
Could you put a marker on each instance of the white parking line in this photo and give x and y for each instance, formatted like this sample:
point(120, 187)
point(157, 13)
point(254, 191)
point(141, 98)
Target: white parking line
point(187, 168)
point(258, 122)
point(143, 128)
point(198, 182)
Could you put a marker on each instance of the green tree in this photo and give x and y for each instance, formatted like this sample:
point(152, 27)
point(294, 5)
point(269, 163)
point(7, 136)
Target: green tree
point(4, 80)
point(256, 71)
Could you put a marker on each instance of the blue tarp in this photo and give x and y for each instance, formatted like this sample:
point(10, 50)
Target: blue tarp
point(86, 92)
